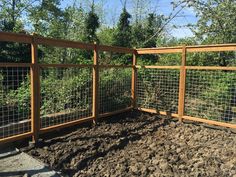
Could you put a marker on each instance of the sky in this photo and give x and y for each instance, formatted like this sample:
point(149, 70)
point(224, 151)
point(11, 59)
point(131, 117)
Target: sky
point(112, 9)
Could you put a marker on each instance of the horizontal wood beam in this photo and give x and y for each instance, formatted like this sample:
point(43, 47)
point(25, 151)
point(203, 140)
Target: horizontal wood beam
point(160, 50)
point(155, 112)
point(15, 65)
point(15, 37)
point(158, 67)
point(211, 122)
point(64, 125)
point(15, 138)
point(196, 119)
point(26, 38)
point(191, 49)
point(210, 68)
point(63, 43)
point(211, 48)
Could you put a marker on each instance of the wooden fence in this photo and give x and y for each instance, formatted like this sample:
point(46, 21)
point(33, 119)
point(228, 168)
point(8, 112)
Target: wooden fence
point(35, 68)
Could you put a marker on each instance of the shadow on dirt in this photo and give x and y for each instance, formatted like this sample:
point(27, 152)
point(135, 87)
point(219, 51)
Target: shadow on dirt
point(78, 149)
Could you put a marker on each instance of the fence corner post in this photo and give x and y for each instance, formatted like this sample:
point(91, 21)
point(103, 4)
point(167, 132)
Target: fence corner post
point(95, 84)
point(35, 91)
point(134, 79)
point(182, 85)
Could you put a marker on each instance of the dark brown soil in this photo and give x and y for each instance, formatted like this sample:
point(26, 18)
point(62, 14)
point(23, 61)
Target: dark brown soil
point(138, 144)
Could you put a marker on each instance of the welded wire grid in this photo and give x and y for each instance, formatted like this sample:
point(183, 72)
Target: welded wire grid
point(14, 101)
point(66, 95)
point(158, 89)
point(115, 89)
point(211, 95)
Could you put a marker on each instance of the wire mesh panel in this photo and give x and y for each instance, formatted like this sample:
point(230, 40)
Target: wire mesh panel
point(15, 101)
point(158, 89)
point(115, 89)
point(66, 95)
point(211, 95)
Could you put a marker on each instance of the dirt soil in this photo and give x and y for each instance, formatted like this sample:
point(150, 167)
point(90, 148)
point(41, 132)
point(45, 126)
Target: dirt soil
point(137, 144)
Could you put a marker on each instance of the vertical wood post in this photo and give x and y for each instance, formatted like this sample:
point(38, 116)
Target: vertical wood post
point(182, 85)
point(35, 91)
point(134, 79)
point(95, 84)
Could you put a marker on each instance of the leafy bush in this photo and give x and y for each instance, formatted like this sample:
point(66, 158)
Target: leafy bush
point(71, 91)
point(211, 94)
point(115, 89)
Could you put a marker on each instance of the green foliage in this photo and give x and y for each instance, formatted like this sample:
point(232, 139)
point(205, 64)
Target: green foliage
point(71, 90)
point(105, 35)
point(159, 89)
point(10, 13)
point(216, 22)
point(20, 98)
point(15, 52)
point(212, 94)
point(47, 18)
point(91, 26)
point(65, 91)
point(10, 21)
point(122, 36)
point(115, 89)
point(211, 59)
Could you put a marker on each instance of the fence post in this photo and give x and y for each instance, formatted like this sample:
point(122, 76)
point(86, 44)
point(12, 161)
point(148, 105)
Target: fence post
point(134, 79)
point(95, 84)
point(35, 91)
point(182, 85)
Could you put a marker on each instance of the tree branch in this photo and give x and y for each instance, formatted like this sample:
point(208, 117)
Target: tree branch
point(170, 18)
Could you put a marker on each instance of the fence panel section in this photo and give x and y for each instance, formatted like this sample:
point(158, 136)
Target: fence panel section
point(15, 104)
point(211, 94)
point(114, 89)
point(66, 95)
point(158, 89)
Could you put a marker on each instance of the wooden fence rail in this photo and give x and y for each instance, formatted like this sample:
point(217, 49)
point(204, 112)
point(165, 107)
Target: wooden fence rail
point(35, 68)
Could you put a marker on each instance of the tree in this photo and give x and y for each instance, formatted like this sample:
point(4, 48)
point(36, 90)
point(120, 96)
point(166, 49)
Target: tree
point(143, 31)
point(91, 26)
point(140, 9)
point(154, 22)
point(122, 36)
point(216, 24)
point(47, 18)
point(11, 13)
point(10, 21)
point(74, 19)
point(105, 35)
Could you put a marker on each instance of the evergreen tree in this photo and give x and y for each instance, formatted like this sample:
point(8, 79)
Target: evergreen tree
point(91, 26)
point(154, 22)
point(122, 35)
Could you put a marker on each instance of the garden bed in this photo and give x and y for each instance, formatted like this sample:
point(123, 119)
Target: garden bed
point(136, 144)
